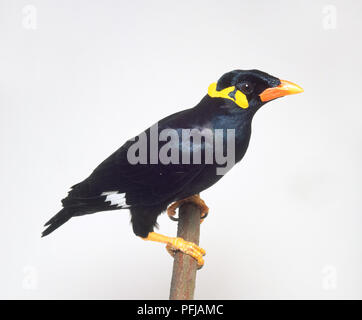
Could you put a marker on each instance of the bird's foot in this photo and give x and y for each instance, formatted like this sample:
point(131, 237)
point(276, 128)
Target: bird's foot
point(190, 248)
point(195, 199)
point(175, 244)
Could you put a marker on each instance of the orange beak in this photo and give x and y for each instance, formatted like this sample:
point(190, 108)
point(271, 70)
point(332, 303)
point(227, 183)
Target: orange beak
point(285, 88)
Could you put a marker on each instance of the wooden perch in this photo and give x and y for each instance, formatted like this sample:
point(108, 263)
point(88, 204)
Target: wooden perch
point(184, 266)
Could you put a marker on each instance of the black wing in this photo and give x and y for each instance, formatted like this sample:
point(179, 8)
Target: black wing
point(143, 184)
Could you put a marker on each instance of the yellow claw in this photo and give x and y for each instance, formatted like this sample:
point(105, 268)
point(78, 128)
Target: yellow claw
point(175, 244)
point(188, 248)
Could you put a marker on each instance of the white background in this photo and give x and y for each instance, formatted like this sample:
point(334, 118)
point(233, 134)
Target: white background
point(284, 223)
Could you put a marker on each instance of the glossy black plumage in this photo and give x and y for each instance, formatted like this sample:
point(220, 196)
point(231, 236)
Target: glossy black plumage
point(150, 188)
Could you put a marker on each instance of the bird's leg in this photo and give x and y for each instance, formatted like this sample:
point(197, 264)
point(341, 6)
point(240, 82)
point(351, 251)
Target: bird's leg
point(174, 244)
point(171, 210)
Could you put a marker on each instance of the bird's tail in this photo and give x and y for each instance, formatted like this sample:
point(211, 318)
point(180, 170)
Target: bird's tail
point(59, 219)
point(78, 206)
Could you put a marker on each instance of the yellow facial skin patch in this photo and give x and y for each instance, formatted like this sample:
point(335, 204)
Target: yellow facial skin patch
point(239, 98)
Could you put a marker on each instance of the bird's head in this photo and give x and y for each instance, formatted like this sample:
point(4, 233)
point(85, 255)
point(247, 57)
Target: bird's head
point(250, 89)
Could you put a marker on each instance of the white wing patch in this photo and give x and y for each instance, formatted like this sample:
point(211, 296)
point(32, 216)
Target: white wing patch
point(115, 198)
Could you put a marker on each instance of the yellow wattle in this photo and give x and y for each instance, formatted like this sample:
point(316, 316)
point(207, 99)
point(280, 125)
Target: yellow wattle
point(240, 98)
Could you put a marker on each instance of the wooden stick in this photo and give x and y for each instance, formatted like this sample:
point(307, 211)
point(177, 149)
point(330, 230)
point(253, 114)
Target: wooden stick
point(184, 266)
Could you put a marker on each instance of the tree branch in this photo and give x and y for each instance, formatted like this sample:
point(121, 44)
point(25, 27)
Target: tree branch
point(184, 266)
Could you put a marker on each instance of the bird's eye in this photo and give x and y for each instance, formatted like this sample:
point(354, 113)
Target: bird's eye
point(245, 87)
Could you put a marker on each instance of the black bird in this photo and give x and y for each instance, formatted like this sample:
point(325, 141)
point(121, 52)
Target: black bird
point(162, 166)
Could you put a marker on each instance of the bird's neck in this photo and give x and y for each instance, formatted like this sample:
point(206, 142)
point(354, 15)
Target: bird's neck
point(224, 114)
point(218, 113)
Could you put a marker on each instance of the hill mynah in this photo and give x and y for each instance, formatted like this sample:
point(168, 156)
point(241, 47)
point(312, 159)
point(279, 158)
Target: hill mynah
point(160, 169)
